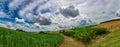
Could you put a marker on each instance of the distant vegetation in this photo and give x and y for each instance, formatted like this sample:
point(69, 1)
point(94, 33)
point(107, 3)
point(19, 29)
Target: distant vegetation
point(11, 38)
point(85, 34)
point(20, 30)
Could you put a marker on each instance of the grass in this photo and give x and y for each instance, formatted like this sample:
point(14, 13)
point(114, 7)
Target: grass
point(85, 34)
point(11, 38)
point(110, 40)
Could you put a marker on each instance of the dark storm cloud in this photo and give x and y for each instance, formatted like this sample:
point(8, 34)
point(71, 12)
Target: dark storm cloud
point(45, 21)
point(41, 20)
point(69, 11)
point(118, 14)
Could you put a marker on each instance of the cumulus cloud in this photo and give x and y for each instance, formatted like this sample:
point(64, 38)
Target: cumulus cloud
point(26, 25)
point(51, 14)
point(37, 6)
point(37, 25)
point(15, 4)
point(69, 11)
point(8, 25)
point(19, 20)
point(39, 19)
point(45, 21)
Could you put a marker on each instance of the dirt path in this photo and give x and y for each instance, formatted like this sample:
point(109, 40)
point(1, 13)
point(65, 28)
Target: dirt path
point(70, 42)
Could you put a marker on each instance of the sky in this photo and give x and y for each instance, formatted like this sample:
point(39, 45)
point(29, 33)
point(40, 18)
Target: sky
point(51, 15)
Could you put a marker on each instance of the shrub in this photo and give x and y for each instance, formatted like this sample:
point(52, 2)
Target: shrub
point(20, 30)
point(68, 33)
point(100, 31)
point(86, 33)
point(42, 32)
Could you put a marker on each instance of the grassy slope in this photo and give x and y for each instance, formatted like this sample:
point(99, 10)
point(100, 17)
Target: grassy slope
point(110, 40)
point(85, 34)
point(11, 38)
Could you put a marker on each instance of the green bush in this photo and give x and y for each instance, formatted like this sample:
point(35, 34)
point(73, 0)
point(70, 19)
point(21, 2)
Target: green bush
point(20, 30)
point(42, 32)
point(68, 33)
point(100, 31)
point(85, 34)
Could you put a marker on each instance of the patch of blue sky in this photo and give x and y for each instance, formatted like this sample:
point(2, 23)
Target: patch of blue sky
point(45, 10)
point(42, 11)
point(48, 10)
point(7, 19)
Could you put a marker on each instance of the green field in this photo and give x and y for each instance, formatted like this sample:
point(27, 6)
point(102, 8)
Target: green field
point(12, 38)
point(91, 36)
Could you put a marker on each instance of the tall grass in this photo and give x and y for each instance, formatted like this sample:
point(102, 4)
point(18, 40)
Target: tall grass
point(110, 40)
point(11, 38)
point(85, 34)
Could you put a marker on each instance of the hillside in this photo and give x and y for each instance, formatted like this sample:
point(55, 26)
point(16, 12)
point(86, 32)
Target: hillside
point(12, 38)
point(112, 25)
point(110, 39)
point(106, 34)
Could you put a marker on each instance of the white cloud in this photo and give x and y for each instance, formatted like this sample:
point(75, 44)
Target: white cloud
point(95, 10)
point(28, 9)
point(16, 3)
point(4, 15)
point(19, 20)
point(8, 25)
point(26, 25)
point(37, 25)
